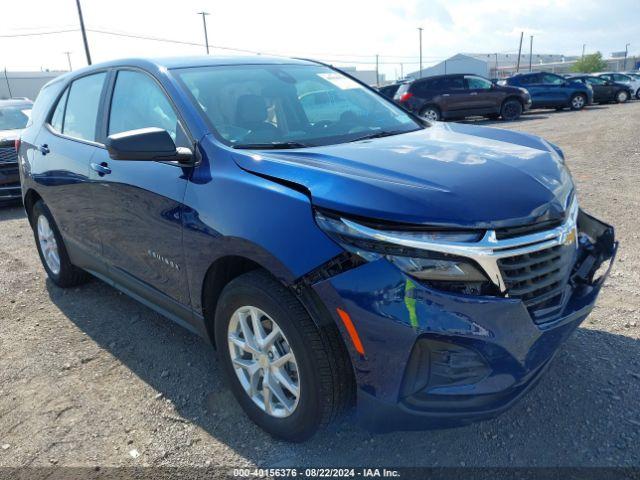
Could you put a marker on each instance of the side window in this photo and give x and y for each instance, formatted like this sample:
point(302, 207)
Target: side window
point(606, 77)
point(138, 102)
point(58, 115)
point(552, 79)
point(621, 78)
point(478, 83)
point(81, 113)
point(595, 80)
point(455, 83)
point(421, 88)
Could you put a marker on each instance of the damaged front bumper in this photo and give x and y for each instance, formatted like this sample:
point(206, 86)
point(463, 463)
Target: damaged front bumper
point(435, 359)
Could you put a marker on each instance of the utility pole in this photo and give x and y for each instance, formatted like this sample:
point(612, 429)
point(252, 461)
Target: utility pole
point(420, 39)
point(401, 70)
point(204, 24)
point(519, 52)
point(377, 72)
point(497, 76)
point(583, 47)
point(6, 78)
point(84, 33)
point(626, 51)
point(68, 54)
point(530, 51)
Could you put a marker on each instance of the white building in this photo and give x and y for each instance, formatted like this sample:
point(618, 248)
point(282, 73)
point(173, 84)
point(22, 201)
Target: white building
point(457, 64)
point(24, 84)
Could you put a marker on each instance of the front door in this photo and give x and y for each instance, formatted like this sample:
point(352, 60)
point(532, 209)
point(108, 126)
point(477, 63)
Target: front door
point(140, 202)
point(483, 98)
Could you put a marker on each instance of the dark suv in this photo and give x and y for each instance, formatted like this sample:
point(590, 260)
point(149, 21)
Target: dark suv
point(14, 115)
point(549, 90)
point(604, 90)
point(459, 96)
point(334, 247)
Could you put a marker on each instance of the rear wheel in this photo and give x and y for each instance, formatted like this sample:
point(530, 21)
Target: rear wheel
point(511, 110)
point(622, 96)
point(638, 94)
point(430, 113)
point(290, 377)
point(52, 250)
point(578, 101)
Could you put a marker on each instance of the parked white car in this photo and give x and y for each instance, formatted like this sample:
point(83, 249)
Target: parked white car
point(632, 81)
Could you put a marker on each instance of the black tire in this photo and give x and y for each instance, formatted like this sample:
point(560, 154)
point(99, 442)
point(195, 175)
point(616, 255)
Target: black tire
point(622, 96)
point(431, 112)
point(638, 94)
point(326, 382)
point(68, 275)
point(511, 110)
point(578, 101)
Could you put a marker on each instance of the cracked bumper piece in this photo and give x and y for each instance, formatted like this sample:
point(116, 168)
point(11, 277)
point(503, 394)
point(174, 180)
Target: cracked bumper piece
point(434, 359)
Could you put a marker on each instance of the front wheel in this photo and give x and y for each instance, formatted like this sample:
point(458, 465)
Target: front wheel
point(622, 96)
point(638, 94)
point(430, 113)
point(290, 377)
point(511, 110)
point(578, 101)
point(52, 250)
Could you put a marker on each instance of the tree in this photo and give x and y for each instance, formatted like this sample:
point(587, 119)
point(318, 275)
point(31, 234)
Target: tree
point(590, 63)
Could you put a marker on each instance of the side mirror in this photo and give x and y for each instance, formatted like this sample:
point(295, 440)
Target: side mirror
point(146, 144)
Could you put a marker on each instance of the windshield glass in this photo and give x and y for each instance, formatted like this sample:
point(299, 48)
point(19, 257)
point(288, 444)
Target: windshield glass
point(290, 105)
point(14, 117)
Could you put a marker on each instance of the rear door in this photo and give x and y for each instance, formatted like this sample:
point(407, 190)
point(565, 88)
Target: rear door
point(140, 202)
point(66, 146)
point(455, 95)
point(602, 90)
point(533, 83)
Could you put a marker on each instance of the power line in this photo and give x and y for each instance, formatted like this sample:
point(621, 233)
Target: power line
point(53, 32)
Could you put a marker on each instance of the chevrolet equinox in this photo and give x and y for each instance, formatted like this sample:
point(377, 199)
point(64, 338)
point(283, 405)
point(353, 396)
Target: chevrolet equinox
point(334, 248)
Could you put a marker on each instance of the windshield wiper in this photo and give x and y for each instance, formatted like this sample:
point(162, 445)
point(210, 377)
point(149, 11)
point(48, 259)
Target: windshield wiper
point(380, 134)
point(271, 145)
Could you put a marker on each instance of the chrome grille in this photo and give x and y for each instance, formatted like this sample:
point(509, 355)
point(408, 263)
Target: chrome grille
point(539, 279)
point(8, 155)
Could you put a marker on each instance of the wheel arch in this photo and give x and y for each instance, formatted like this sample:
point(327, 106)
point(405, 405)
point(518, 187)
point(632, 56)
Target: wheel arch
point(30, 199)
point(512, 97)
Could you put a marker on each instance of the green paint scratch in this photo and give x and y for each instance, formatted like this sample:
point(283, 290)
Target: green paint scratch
point(410, 302)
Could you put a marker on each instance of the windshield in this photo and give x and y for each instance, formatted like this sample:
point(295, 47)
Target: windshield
point(14, 117)
point(290, 106)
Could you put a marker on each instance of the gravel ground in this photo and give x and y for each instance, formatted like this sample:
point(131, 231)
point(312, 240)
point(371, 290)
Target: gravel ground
point(89, 377)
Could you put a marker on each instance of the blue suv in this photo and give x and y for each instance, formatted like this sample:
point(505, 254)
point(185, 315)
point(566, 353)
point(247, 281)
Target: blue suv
point(549, 90)
point(335, 252)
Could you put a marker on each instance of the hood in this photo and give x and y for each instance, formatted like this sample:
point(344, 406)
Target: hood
point(8, 136)
point(447, 174)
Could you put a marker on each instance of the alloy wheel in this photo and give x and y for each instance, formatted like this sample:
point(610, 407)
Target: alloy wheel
point(263, 361)
point(48, 245)
point(430, 114)
point(577, 102)
point(622, 97)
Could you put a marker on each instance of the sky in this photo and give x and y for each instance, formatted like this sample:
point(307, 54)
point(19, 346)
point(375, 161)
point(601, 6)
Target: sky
point(342, 32)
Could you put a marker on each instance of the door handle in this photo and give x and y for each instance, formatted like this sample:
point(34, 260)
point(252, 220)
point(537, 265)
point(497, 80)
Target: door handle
point(473, 93)
point(44, 149)
point(446, 94)
point(101, 168)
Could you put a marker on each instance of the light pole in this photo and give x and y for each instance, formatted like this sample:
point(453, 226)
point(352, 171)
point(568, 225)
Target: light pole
point(530, 51)
point(377, 72)
point(420, 39)
point(204, 24)
point(68, 54)
point(583, 47)
point(626, 51)
point(84, 33)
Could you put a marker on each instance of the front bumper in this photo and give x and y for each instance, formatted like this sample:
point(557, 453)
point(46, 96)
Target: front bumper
point(9, 184)
point(496, 351)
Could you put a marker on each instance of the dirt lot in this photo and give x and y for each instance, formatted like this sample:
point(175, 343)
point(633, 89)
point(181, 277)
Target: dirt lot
point(89, 377)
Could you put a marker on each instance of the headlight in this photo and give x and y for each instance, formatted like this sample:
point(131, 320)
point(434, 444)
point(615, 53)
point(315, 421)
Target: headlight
point(421, 264)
